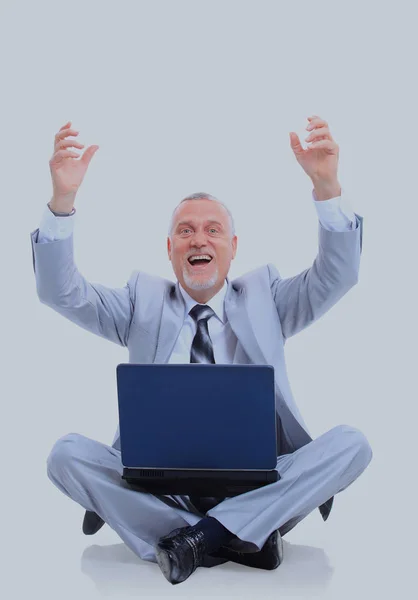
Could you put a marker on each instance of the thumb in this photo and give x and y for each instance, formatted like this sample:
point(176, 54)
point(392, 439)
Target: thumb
point(295, 143)
point(88, 155)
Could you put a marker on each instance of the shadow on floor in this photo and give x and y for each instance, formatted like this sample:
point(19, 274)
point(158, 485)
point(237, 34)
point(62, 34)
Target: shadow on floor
point(116, 569)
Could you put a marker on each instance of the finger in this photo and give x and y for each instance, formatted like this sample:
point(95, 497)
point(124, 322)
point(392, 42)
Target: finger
point(321, 133)
point(316, 122)
point(295, 143)
point(63, 133)
point(68, 123)
point(328, 145)
point(63, 154)
point(68, 143)
point(88, 154)
point(313, 117)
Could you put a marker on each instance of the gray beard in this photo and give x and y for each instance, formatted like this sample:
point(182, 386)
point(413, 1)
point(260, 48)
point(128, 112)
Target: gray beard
point(199, 285)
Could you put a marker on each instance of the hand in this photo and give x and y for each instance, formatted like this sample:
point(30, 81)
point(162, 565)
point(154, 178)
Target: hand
point(320, 159)
point(67, 173)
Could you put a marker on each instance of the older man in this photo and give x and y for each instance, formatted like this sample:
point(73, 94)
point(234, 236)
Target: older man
point(205, 317)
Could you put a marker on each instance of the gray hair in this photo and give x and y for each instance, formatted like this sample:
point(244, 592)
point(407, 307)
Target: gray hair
point(203, 196)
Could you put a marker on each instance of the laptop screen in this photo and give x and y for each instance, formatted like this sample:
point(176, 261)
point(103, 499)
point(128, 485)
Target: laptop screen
point(197, 416)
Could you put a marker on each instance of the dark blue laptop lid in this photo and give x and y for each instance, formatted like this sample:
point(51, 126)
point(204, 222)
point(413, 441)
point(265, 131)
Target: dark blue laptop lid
point(197, 416)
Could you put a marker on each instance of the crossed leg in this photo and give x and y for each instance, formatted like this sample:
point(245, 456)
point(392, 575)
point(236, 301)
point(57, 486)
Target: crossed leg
point(89, 472)
point(309, 477)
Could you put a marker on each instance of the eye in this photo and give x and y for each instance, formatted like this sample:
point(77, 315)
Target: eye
point(213, 229)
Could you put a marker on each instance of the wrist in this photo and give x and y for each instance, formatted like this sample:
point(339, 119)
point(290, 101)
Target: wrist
point(59, 212)
point(62, 206)
point(324, 190)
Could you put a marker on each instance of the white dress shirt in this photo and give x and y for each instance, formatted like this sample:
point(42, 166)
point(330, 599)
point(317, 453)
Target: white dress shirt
point(224, 340)
point(334, 214)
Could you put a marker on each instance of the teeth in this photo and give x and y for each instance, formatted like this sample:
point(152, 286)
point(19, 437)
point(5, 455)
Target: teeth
point(193, 258)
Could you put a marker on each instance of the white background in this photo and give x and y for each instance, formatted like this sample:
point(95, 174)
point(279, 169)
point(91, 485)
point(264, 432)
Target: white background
point(187, 96)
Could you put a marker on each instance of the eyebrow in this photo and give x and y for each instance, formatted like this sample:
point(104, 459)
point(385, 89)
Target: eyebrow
point(190, 223)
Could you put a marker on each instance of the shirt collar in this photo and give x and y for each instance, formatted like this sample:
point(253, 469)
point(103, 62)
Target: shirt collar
point(216, 303)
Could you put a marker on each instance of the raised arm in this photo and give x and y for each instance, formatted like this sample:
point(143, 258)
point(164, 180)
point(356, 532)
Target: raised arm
point(105, 311)
point(302, 299)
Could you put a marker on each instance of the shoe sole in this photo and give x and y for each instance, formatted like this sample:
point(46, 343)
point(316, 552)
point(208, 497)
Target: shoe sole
point(280, 548)
point(247, 558)
point(164, 563)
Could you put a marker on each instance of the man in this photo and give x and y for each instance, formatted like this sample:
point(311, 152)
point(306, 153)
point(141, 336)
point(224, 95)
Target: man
point(205, 317)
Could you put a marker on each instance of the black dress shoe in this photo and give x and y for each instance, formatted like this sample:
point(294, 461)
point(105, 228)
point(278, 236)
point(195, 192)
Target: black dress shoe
point(180, 553)
point(269, 557)
point(92, 523)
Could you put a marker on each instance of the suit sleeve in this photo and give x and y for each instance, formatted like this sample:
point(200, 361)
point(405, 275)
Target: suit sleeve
point(302, 299)
point(105, 311)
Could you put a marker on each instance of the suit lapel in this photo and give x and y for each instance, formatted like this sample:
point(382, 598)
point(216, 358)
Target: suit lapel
point(173, 314)
point(236, 309)
point(172, 320)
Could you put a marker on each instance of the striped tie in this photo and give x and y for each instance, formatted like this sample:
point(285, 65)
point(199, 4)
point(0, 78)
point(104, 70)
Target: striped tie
point(202, 350)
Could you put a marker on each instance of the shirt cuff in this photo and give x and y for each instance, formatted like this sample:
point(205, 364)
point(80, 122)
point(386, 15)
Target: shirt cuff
point(336, 213)
point(54, 227)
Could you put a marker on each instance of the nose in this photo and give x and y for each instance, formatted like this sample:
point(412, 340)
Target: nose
point(198, 239)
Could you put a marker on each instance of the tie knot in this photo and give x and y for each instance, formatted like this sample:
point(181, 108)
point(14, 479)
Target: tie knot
point(201, 311)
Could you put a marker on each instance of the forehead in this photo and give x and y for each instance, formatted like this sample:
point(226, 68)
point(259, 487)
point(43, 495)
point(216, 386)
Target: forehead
point(201, 210)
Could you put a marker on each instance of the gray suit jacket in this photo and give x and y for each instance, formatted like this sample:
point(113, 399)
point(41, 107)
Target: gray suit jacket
point(263, 309)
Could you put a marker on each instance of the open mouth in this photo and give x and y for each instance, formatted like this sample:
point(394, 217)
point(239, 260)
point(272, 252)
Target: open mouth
point(199, 264)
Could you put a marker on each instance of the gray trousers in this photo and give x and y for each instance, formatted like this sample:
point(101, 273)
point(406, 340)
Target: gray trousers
point(89, 472)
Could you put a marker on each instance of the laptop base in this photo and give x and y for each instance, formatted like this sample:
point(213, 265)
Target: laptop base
point(196, 482)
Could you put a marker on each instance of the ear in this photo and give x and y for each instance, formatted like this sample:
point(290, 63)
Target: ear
point(234, 246)
point(169, 248)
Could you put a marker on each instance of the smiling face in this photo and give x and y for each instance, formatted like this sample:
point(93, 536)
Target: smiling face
point(201, 227)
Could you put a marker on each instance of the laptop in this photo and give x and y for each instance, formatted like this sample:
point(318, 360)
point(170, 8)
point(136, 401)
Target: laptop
point(197, 428)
